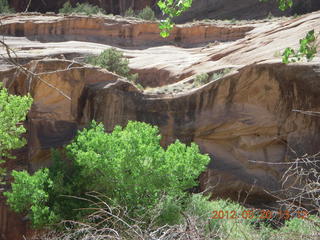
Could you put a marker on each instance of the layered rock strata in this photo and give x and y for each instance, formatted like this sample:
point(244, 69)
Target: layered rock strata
point(249, 121)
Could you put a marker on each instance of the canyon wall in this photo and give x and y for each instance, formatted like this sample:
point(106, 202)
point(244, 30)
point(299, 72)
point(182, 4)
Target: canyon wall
point(201, 9)
point(249, 121)
point(245, 121)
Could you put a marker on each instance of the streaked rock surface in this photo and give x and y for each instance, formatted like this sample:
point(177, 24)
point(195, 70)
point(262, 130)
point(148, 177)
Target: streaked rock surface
point(244, 120)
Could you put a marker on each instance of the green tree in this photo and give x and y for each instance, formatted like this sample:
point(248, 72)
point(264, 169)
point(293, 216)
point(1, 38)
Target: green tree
point(33, 194)
point(128, 166)
point(4, 7)
point(13, 110)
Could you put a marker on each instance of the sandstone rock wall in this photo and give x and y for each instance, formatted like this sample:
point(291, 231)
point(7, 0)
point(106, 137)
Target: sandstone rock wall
point(244, 120)
point(243, 117)
point(201, 9)
point(115, 31)
point(11, 225)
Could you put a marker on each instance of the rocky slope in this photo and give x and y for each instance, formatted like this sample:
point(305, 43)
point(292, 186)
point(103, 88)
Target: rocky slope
point(243, 120)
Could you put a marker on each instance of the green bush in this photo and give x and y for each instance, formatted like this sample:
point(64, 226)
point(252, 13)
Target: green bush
point(147, 14)
point(128, 166)
point(66, 8)
point(4, 7)
point(13, 110)
point(130, 13)
point(169, 211)
point(201, 79)
point(270, 15)
point(83, 8)
point(297, 228)
point(136, 169)
point(30, 194)
point(220, 74)
point(202, 210)
point(307, 50)
point(114, 61)
point(204, 78)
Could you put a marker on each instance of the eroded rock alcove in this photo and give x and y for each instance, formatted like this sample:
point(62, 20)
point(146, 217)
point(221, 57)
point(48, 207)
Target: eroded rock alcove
point(245, 120)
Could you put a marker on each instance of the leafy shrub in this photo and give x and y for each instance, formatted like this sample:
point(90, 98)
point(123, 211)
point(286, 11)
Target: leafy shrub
point(4, 7)
point(301, 227)
point(171, 10)
point(66, 8)
point(201, 79)
point(168, 211)
point(308, 49)
point(114, 61)
point(139, 86)
point(220, 74)
point(204, 78)
point(147, 14)
point(30, 194)
point(128, 166)
point(130, 13)
point(270, 15)
point(13, 110)
point(83, 8)
point(136, 169)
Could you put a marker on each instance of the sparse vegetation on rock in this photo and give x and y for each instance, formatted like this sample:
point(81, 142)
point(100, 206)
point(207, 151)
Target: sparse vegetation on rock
point(4, 7)
point(146, 14)
point(204, 78)
point(130, 13)
point(114, 61)
point(82, 8)
point(201, 79)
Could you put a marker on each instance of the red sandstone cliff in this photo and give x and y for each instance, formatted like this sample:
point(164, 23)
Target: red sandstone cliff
point(244, 120)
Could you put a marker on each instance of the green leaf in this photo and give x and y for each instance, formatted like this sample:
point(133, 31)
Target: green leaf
point(307, 49)
point(13, 111)
point(128, 166)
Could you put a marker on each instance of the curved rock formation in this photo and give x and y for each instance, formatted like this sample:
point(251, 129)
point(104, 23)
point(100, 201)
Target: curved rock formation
point(241, 120)
point(115, 31)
